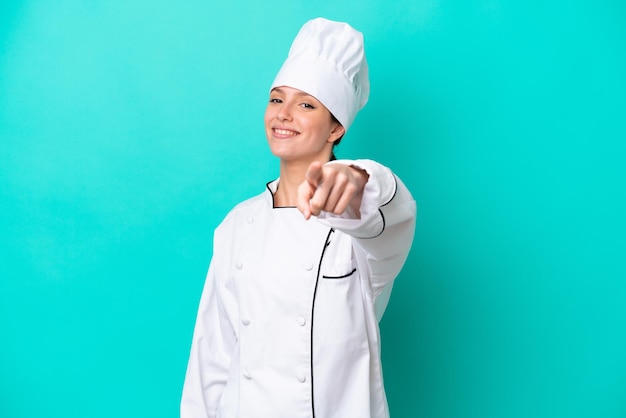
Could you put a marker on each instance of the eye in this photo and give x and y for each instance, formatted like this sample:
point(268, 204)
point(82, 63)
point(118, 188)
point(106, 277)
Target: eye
point(275, 100)
point(307, 106)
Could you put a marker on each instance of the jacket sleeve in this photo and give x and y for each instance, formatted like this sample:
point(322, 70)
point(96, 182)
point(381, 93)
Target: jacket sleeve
point(211, 349)
point(384, 232)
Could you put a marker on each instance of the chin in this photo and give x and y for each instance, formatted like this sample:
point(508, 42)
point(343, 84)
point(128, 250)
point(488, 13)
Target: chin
point(282, 154)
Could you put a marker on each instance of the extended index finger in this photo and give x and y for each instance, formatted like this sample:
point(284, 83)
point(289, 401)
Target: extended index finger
point(305, 193)
point(314, 174)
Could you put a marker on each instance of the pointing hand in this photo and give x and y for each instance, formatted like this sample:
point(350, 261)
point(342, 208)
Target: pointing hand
point(331, 188)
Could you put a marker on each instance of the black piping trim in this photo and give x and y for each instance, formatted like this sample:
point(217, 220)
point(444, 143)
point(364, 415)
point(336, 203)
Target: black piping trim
point(382, 215)
point(317, 279)
point(267, 185)
point(395, 191)
point(340, 277)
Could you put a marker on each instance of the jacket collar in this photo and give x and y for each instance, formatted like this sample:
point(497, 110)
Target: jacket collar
point(272, 186)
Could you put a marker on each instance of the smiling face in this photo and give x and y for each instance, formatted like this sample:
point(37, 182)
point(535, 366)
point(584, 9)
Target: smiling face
point(299, 128)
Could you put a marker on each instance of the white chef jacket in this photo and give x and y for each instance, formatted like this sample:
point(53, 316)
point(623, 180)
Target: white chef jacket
point(287, 325)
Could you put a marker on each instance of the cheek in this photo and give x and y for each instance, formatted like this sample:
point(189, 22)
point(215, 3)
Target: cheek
point(268, 116)
point(313, 124)
point(322, 127)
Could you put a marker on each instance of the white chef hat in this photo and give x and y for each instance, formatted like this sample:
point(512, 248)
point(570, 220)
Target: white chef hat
point(327, 61)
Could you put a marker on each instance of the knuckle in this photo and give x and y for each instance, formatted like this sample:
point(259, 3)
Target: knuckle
point(315, 205)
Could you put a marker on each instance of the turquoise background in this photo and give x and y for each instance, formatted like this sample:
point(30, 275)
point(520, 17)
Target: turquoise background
point(128, 129)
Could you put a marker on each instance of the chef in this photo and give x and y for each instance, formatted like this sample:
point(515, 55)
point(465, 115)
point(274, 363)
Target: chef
point(301, 274)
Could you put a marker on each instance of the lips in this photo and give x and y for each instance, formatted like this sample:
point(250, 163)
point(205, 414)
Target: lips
point(284, 133)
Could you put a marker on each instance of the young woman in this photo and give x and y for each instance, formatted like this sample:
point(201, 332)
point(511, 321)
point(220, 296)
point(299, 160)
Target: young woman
point(301, 274)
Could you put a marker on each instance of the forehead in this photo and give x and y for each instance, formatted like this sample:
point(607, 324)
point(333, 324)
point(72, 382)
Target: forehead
point(286, 90)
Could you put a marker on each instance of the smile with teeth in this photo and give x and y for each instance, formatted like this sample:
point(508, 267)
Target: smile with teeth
point(284, 132)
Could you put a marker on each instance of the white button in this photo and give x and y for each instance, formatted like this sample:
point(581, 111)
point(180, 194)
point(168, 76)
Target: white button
point(245, 321)
point(250, 219)
point(308, 266)
point(247, 375)
point(301, 321)
point(301, 377)
point(239, 265)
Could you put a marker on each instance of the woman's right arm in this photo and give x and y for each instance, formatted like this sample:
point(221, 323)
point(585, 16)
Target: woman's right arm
point(211, 350)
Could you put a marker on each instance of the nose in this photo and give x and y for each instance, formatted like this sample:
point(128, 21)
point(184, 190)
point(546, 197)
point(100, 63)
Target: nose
point(284, 113)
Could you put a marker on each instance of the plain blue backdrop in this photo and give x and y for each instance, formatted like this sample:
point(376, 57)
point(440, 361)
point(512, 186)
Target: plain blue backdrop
point(128, 129)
